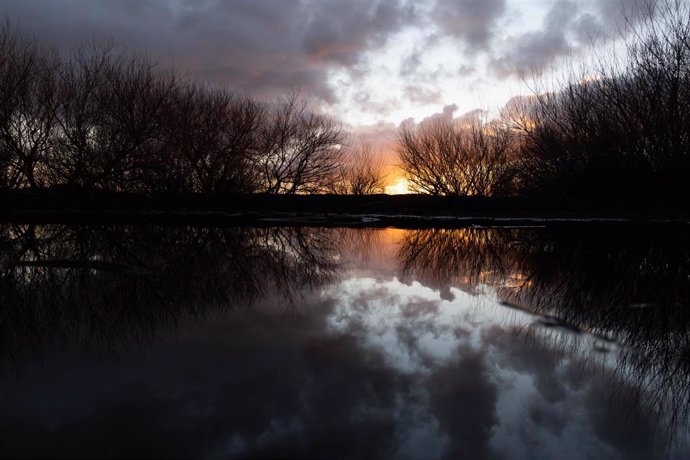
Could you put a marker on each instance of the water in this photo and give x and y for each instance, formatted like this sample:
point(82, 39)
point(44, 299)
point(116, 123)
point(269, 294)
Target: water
point(345, 343)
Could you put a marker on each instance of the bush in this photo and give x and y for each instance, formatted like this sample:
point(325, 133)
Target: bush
point(112, 120)
point(446, 158)
point(623, 134)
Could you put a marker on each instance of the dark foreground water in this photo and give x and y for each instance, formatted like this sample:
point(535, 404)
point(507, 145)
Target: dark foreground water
point(333, 343)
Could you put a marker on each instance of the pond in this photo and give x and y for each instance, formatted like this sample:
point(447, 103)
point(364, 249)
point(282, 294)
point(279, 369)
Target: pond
point(566, 342)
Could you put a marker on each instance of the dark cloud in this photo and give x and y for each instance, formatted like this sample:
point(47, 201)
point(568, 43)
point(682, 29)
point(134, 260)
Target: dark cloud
point(341, 31)
point(269, 47)
point(307, 395)
point(533, 50)
point(569, 27)
point(263, 47)
point(463, 399)
point(472, 21)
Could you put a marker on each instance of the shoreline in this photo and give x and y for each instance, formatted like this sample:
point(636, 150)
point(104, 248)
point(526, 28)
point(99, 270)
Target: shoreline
point(405, 211)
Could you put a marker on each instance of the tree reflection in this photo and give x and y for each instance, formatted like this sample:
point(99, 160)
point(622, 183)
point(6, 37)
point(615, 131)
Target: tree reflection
point(624, 284)
point(108, 287)
point(468, 257)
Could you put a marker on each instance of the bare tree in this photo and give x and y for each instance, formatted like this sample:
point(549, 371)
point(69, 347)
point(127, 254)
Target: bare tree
point(489, 155)
point(625, 131)
point(75, 148)
point(300, 151)
point(109, 119)
point(27, 97)
point(130, 138)
point(211, 138)
point(446, 158)
point(361, 172)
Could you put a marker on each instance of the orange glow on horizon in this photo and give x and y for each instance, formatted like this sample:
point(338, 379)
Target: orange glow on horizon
point(399, 187)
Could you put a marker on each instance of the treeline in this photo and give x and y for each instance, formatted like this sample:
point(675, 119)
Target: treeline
point(620, 130)
point(102, 118)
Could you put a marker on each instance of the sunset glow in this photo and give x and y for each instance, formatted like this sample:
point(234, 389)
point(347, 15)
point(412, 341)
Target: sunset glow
point(399, 187)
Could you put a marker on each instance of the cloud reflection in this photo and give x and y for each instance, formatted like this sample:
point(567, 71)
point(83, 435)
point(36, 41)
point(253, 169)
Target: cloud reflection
point(378, 360)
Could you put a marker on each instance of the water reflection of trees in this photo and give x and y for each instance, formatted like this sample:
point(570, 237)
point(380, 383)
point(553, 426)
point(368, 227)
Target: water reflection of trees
point(112, 286)
point(629, 284)
point(468, 257)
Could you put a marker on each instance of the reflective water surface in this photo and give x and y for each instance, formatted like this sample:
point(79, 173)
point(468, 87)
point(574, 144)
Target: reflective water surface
point(345, 343)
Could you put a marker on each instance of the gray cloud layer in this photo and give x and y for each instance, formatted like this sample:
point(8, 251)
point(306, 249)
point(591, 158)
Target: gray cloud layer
point(265, 47)
point(569, 27)
point(272, 46)
point(534, 49)
point(471, 21)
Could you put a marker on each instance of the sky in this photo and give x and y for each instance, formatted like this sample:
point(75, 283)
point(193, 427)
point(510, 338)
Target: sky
point(371, 63)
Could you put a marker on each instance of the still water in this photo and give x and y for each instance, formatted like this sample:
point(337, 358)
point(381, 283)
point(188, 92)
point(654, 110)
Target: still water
point(523, 343)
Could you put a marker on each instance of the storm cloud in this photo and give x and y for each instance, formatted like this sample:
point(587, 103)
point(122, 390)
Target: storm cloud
point(568, 28)
point(471, 21)
point(533, 50)
point(262, 47)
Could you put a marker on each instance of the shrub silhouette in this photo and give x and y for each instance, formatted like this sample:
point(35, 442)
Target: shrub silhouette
point(107, 119)
point(443, 157)
point(361, 172)
point(624, 133)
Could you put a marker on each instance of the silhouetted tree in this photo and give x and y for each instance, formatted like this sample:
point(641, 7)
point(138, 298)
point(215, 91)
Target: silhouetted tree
point(361, 172)
point(442, 157)
point(300, 151)
point(114, 120)
point(27, 99)
point(212, 137)
point(110, 120)
point(624, 131)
